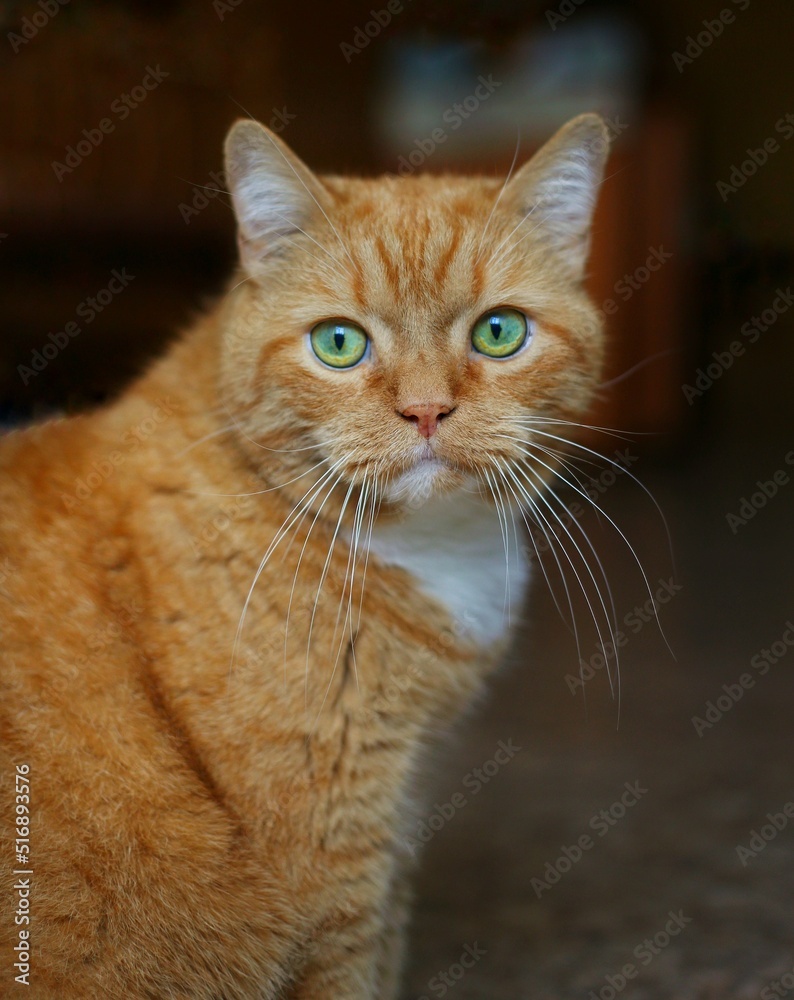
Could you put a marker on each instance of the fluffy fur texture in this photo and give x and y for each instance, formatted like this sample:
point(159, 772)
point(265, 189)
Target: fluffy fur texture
point(221, 693)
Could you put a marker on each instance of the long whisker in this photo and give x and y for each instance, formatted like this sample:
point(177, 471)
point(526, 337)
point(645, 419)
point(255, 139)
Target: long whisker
point(503, 529)
point(540, 494)
point(303, 231)
point(605, 458)
point(499, 197)
point(300, 560)
point(584, 534)
point(351, 563)
point(523, 497)
point(504, 472)
point(206, 437)
point(543, 493)
point(360, 506)
point(510, 249)
point(493, 258)
point(622, 435)
point(305, 186)
point(323, 575)
point(622, 535)
point(374, 507)
point(306, 499)
point(256, 493)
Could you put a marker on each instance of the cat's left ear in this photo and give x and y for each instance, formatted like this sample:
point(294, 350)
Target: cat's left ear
point(274, 193)
point(556, 190)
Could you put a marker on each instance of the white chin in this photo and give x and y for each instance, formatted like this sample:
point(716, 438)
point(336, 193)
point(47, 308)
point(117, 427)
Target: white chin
point(414, 487)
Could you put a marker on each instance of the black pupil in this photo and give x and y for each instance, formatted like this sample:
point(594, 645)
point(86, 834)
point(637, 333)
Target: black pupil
point(496, 327)
point(339, 340)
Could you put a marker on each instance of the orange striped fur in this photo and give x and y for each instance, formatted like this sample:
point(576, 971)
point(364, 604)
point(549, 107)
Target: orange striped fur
point(218, 802)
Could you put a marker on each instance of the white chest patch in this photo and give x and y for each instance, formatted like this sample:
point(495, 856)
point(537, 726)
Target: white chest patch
point(455, 548)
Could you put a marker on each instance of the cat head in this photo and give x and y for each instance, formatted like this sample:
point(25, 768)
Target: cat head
point(413, 330)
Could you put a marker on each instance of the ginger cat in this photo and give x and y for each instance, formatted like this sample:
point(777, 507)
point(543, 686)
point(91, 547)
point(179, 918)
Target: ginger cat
point(238, 602)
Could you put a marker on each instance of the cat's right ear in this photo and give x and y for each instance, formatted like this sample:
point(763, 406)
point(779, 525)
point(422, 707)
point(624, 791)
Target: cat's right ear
point(273, 192)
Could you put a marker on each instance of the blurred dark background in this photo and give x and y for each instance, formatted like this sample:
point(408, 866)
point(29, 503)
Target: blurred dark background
point(351, 93)
point(693, 246)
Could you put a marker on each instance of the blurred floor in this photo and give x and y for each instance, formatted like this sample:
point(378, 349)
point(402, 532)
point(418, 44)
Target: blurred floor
point(675, 850)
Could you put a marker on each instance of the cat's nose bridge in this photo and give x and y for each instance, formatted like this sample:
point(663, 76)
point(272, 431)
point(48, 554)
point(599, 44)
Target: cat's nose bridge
point(426, 382)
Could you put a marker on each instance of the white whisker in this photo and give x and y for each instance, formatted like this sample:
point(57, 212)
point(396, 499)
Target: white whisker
point(288, 522)
point(323, 575)
point(256, 493)
point(499, 198)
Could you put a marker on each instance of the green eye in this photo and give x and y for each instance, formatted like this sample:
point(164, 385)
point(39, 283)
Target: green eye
point(339, 343)
point(500, 333)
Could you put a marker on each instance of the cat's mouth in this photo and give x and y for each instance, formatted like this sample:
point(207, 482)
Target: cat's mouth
point(425, 474)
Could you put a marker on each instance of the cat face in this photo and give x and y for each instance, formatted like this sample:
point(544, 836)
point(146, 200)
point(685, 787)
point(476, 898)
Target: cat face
point(409, 328)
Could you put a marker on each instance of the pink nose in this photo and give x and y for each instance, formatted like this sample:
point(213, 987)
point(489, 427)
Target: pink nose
point(426, 416)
